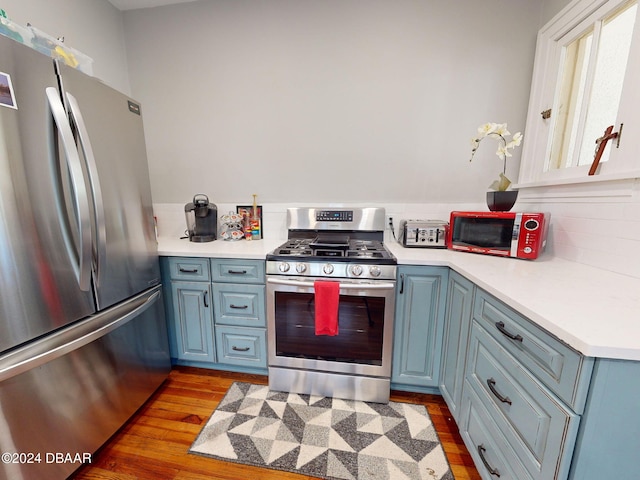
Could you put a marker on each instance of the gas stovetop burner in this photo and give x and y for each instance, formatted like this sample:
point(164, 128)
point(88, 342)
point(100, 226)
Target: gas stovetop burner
point(310, 249)
point(334, 243)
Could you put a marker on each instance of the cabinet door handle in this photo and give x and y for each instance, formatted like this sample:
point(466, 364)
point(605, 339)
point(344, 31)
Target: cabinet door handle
point(492, 471)
point(237, 272)
point(188, 270)
point(239, 307)
point(491, 383)
point(500, 326)
point(205, 299)
point(401, 284)
point(238, 349)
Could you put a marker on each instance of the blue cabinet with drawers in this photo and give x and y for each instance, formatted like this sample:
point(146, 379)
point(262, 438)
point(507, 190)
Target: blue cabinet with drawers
point(217, 313)
point(517, 393)
point(240, 312)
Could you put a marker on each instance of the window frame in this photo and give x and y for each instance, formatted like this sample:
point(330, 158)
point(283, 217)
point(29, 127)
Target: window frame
point(624, 162)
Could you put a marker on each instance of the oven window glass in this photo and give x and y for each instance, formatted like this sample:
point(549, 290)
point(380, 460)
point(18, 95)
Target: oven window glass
point(360, 321)
point(483, 232)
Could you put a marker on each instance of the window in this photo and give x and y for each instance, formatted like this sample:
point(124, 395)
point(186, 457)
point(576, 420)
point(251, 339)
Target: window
point(584, 75)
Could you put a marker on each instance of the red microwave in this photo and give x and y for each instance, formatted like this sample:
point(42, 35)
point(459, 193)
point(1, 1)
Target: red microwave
point(508, 234)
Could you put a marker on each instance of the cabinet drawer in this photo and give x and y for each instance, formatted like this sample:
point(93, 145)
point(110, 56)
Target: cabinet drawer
point(190, 269)
point(563, 370)
point(241, 346)
point(239, 304)
point(491, 451)
point(538, 426)
point(237, 271)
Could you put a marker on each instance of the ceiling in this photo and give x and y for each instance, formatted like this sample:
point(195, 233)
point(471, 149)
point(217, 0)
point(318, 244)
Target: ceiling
point(134, 4)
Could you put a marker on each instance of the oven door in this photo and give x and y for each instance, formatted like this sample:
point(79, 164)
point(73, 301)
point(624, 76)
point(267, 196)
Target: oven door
point(365, 318)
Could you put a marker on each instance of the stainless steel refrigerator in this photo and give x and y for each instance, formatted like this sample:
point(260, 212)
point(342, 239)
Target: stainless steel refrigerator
point(83, 338)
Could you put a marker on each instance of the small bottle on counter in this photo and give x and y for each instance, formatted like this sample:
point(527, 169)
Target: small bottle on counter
point(246, 225)
point(256, 230)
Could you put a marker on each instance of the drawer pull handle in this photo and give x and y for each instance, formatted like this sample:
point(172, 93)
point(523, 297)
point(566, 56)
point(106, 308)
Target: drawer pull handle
point(492, 471)
point(500, 326)
point(188, 270)
point(237, 272)
point(238, 349)
point(491, 383)
point(239, 307)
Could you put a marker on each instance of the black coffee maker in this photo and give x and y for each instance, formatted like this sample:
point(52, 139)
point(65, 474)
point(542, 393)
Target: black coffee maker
point(202, 219)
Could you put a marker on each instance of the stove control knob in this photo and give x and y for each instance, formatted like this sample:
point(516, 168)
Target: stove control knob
point(301, 268)
point(328, 269)
point(375, 271)
point(283, 267)
point(356, 270)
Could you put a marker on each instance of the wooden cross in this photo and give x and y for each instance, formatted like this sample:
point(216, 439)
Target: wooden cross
point(601, 143)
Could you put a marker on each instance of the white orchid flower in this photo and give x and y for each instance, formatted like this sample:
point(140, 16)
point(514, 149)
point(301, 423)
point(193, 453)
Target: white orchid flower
point(503, 151)
point(516, 140)
point(499, 131)
point(486, 129)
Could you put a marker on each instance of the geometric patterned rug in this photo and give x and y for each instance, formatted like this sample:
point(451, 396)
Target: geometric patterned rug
point(323, 437)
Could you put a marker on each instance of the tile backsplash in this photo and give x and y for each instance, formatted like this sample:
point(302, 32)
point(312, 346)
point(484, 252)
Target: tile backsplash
point(603, 234)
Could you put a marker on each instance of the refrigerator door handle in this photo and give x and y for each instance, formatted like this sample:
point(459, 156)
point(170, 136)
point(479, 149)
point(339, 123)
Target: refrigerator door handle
point(74, 337)
point(94, 183)
point(82, 262)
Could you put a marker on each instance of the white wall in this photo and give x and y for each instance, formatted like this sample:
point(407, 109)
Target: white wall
point(328, 101)
point(396, 87)
point(94, 27)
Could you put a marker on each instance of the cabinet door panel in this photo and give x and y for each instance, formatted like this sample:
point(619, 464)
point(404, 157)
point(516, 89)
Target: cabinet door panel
point(193, 321)
point(455, 340)
point(418, 328)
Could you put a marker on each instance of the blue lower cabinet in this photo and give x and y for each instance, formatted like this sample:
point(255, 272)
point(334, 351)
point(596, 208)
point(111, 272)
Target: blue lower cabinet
point(216, 314)
point(417, 343)
point(539, 428)
point(455, 341)
point(193, 321)
point(609, 437)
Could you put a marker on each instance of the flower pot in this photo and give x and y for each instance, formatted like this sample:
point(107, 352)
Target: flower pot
point(501, 201)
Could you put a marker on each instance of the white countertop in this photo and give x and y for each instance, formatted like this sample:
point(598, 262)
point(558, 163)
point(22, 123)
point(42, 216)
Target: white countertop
point(594, 311)
point(252, 249)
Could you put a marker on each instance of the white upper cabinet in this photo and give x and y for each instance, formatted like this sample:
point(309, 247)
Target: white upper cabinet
point(586, 73)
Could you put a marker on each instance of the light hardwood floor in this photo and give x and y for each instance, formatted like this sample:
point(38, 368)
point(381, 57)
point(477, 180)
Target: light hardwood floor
point(154, 443)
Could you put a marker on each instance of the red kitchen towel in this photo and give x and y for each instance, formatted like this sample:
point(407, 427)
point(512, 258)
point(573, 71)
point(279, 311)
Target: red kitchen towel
point(327, 301)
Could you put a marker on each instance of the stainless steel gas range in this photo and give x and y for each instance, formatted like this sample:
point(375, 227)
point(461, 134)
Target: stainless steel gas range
point(344, 246)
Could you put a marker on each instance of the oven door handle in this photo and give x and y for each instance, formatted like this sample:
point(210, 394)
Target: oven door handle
point(343, 285)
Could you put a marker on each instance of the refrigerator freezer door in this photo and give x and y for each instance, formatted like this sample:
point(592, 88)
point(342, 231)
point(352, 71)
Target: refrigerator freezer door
point(69, 392)
point(111, 141)
point(39, 235)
